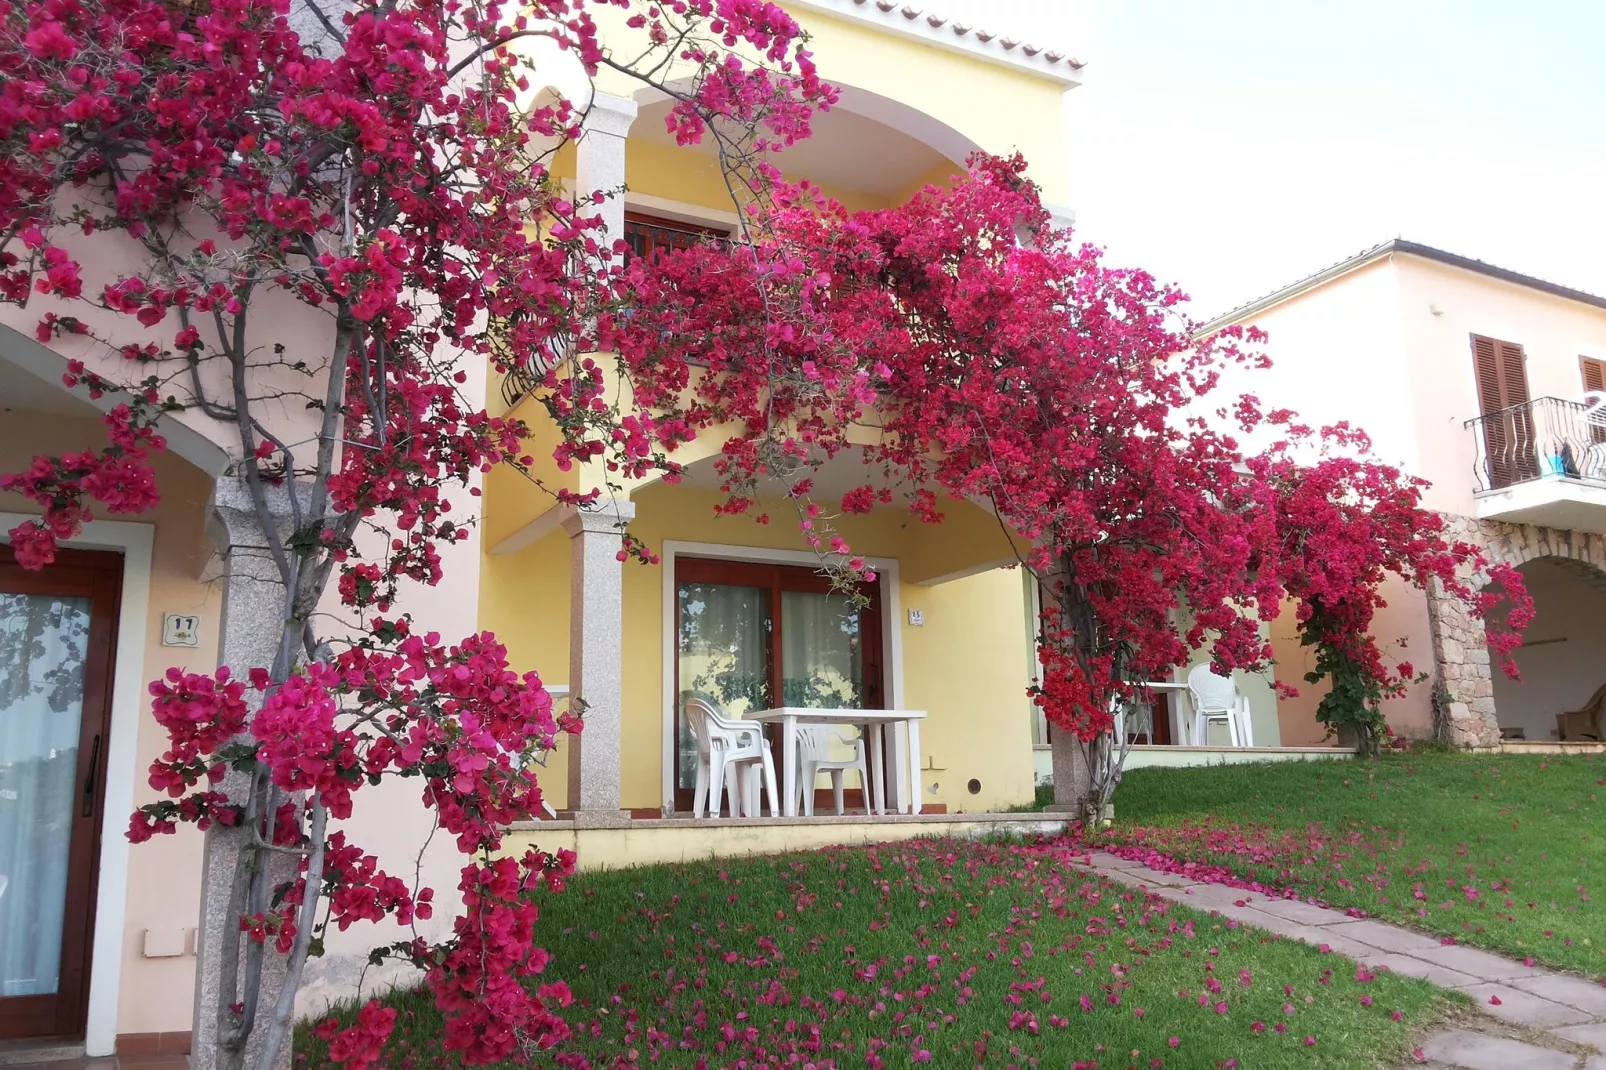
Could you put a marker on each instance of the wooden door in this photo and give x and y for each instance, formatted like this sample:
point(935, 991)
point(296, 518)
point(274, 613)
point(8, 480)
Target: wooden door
point(1510, 453)
point(58, 639)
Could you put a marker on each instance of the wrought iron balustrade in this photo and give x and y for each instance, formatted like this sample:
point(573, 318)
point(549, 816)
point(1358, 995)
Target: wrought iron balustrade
point(1540, 439)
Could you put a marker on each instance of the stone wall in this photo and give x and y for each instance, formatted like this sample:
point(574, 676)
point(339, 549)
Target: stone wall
point(1460, 648)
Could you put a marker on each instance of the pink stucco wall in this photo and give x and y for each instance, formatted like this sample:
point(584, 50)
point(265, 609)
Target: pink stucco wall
point(1387, 347)
point(1440, 307)
point(164, 879)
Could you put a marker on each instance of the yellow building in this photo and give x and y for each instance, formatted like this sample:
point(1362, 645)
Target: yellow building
point(949, 627)
point(736, 610)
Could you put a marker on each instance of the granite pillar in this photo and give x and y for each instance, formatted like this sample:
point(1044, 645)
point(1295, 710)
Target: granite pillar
point(252, 621)
point(596, 658)
point(600, 157)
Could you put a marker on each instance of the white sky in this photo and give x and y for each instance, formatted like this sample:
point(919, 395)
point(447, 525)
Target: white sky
point(1235, 145)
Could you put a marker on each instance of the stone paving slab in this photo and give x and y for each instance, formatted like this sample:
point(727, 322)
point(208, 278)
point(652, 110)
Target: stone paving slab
point(1383, 936)
point(1407, 966)
point(1242, 915)
point(1217, 893)
point(1150, 881)
point(1523, 1008)
point(1317, 936)
point(1302, 913)
point(1592, 1035)
point(1570, 991)
point(1478, 1051)
point(1529, 996)
point(1173, 880)
point(1481, 964)
point(1102, 860)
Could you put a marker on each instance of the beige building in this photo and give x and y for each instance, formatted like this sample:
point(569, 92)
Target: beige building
point(1491, 385)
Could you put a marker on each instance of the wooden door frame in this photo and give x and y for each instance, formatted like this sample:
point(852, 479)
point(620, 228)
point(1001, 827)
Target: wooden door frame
point(887, 573)
point(97, 575)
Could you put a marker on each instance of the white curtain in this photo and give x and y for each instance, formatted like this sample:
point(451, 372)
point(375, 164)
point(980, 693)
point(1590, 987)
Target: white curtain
point(721, 646)
point(821, 658)
point(43, 643)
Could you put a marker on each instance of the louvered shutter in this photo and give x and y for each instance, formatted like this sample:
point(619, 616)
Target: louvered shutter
point(1524, 436)
point(1594, 371)
point(1502, 399)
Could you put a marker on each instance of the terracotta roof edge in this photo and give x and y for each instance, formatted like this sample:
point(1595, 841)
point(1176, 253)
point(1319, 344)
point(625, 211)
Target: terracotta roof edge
point(955, 34)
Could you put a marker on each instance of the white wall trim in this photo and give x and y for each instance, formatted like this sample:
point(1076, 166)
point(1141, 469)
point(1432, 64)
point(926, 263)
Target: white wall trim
point(683, 211)
point(886, 570)
point(697, 215)
point(134, 542)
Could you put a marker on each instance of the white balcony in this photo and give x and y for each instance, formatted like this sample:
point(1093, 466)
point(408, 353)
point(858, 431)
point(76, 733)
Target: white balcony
point(1542, 462)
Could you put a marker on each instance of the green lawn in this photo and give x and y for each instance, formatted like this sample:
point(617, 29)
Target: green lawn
point(948, 952)
point(1507, 852)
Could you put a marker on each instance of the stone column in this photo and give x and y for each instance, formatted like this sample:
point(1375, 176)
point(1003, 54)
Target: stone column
point(600, 156)
point(1461, 658)
point(1073, 777)
point(248, 637)
point(596, 658)
point(1461, 661)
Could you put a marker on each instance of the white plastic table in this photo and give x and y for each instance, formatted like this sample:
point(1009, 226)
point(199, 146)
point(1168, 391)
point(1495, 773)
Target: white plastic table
point(873, 723)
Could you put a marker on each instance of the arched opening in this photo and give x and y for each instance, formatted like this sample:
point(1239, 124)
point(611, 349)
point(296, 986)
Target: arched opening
point(868, 151)
point(1562, 672)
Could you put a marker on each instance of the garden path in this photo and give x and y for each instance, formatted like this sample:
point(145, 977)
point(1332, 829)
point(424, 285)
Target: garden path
point(1541, 1019)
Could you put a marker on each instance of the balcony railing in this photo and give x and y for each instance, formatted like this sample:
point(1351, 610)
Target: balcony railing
point(1540, 439)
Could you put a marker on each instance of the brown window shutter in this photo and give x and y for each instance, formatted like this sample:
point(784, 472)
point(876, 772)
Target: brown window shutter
point(1486, 362)
point(1513, 374)
point(1507, 432)
point(1594, 371)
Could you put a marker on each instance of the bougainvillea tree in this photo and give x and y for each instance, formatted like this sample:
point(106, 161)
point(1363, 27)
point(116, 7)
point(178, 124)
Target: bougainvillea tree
point(1001, 364)
point(375, 177)
point(1343, 525)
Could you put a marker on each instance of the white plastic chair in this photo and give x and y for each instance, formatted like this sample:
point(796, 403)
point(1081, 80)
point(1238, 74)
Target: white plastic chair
point(814, 757)
point(722, 744)
point(1216, 699)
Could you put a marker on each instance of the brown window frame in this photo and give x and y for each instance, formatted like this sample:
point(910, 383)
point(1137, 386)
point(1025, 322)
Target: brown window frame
point(778, 578)
point(650, 234)
point(98, 576)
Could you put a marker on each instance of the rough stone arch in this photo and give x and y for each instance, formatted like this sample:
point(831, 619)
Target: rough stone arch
point(1464, 707)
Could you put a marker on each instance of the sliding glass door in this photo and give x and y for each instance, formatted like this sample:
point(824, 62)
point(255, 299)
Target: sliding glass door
point(754, 636)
